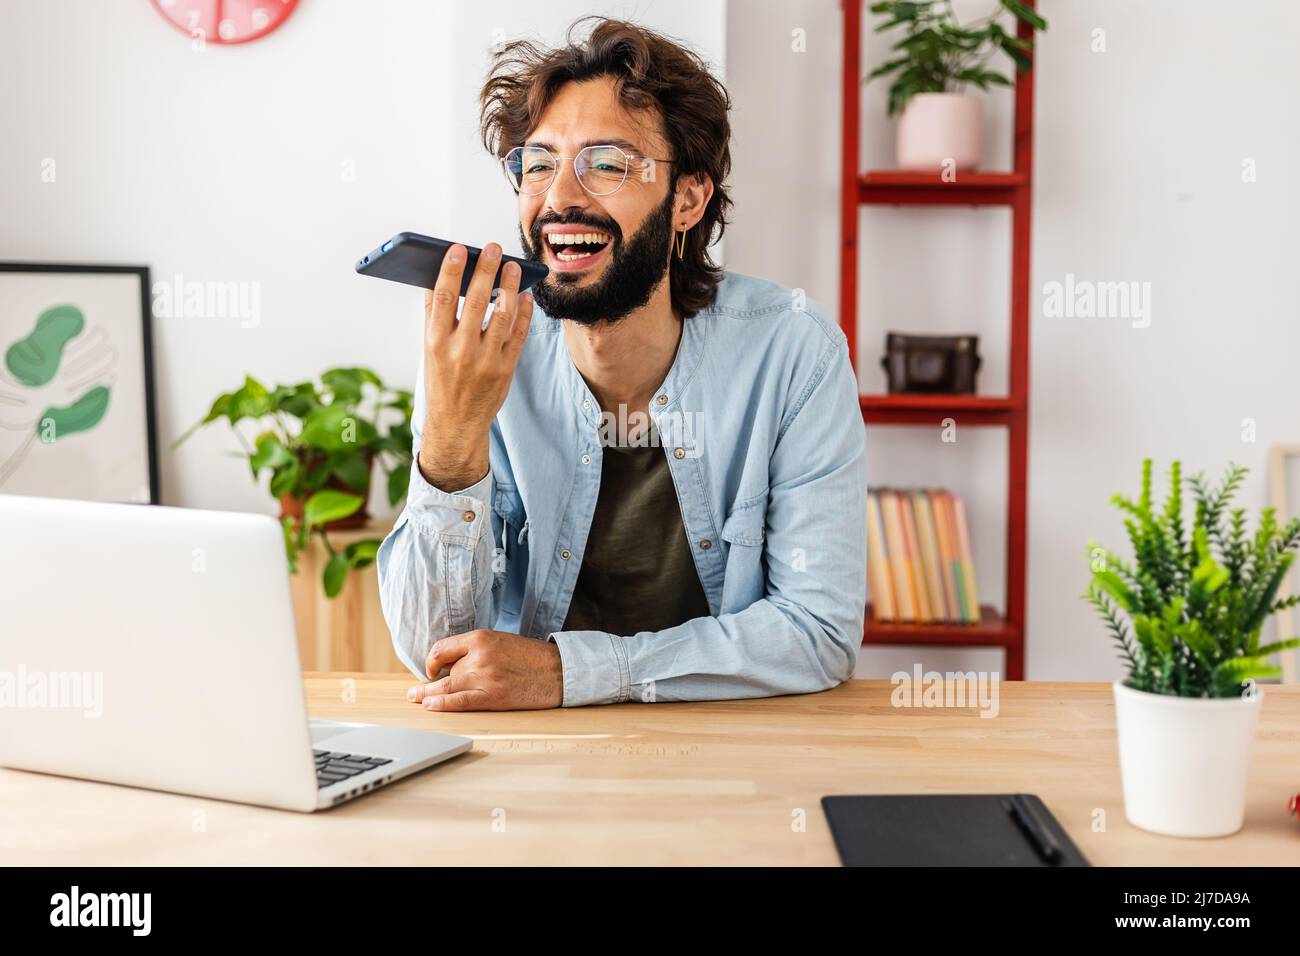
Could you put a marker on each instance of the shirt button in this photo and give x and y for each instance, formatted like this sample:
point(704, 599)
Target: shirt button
point(662, 399)
point(565, 554)
point(586, 459)
point(679, 453)
point(586, 403)
point(706, 544)
point(468, 516)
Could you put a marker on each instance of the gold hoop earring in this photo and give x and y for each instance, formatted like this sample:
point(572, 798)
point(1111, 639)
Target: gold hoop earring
point(681, 247)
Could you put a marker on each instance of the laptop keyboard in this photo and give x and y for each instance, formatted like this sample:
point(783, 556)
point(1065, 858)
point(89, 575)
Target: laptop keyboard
point(333, 767)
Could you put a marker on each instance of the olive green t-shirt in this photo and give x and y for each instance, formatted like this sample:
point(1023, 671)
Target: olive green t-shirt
point(637, 572)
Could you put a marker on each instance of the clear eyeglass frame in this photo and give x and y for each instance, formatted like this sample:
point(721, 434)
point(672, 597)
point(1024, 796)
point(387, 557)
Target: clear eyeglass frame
point(602, 183)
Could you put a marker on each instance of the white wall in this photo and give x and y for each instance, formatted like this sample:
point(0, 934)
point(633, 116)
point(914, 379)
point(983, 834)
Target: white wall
point(279, 163)
point(1138, 177)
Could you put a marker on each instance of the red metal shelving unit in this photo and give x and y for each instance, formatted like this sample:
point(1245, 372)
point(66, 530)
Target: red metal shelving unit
point(1013, 189)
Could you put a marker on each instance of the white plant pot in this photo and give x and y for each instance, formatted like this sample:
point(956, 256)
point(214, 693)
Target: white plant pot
point(941, 130)
point(1184, 761)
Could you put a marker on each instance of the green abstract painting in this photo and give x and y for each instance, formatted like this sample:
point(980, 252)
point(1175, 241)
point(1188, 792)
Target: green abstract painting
point(35, 361)
point(76, 380)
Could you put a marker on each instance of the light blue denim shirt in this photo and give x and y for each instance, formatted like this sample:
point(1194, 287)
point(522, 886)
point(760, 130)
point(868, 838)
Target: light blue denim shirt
point(759, 420)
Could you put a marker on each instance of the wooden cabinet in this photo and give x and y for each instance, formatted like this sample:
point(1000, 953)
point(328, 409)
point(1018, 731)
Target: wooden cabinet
point(346, 633)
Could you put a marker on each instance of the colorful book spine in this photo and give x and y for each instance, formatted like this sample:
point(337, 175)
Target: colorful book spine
point(967, 562)
point(954, 557)
point(924, 611)
point(899, 560)
point(943, 545)
point(929, 556)
point(879, 577)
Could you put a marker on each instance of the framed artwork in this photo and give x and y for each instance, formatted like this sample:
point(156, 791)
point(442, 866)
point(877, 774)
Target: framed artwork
point(76, 383)
point(1284, 491)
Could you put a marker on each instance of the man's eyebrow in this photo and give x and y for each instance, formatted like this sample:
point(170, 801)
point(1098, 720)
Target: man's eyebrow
point(607, 141)
point(621, 143)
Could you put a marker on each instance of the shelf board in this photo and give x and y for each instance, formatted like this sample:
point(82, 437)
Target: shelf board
point(993, 630)
point(927, 180)
point(924, 409)
point(903, 187)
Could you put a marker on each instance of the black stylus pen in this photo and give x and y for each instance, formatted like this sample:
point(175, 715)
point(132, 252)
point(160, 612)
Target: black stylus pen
point(1033, 828)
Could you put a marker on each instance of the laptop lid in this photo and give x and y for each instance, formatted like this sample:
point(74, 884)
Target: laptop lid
point(153, 647)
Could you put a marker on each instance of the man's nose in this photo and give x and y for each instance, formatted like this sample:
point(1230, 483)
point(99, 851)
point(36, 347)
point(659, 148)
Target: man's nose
point(565, 191)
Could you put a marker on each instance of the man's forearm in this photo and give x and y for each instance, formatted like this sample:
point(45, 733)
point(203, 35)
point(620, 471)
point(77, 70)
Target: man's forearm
point(435, 567)
point(772, 647)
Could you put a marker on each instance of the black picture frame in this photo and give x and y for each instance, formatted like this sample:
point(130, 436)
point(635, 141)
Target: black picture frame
point(146, 332)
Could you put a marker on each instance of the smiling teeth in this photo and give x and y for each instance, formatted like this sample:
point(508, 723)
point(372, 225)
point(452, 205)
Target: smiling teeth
point(570, 238)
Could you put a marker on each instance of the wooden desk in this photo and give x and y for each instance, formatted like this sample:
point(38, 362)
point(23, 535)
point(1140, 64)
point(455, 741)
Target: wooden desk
point(714, 783)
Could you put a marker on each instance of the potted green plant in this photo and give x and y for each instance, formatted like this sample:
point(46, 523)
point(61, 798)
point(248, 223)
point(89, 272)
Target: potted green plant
point(1186, 615)
point(937, 59)
point(320, 441)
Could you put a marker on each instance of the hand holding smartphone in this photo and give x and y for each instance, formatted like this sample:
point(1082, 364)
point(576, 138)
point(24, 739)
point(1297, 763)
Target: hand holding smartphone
point(468, 367)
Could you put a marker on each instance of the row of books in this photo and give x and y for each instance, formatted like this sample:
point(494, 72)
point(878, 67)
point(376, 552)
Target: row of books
point(919, 565)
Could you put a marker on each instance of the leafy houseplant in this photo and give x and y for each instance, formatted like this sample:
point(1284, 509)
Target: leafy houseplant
point(1196, 620)
point(935, 62)
point(320, 441)
point(1196, 599)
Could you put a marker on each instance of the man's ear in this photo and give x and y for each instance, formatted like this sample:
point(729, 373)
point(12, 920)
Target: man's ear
point(693, 195)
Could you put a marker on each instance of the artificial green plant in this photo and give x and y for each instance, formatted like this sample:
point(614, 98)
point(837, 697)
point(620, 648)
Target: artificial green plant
point(1196, 598)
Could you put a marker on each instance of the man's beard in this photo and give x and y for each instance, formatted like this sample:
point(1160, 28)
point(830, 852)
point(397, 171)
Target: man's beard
point(630, 277)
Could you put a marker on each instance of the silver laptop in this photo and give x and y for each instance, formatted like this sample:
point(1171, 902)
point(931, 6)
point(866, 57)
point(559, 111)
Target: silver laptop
point(155, 647)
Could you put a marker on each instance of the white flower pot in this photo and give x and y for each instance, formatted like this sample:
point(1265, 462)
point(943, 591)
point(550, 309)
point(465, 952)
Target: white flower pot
point(941, 130)
point(1184, 761)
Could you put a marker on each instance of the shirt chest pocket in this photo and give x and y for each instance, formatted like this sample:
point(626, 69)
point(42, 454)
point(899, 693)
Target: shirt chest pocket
point(744, 531)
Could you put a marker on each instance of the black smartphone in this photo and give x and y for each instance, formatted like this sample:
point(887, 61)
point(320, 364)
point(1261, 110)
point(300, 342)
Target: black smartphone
point(415, 260)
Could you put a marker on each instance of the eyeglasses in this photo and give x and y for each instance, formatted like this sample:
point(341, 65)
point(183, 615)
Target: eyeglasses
point(601, 170)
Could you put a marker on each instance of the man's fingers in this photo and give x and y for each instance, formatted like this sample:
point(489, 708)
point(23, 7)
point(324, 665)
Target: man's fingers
point(461, 700)
point(480, 289)
point(440, 301)
point(446, 685)
point(514, 342)
point(503, 314)
point(445, 653)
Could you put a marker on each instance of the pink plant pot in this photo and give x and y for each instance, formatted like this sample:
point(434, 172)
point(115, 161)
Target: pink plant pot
point(940, 131)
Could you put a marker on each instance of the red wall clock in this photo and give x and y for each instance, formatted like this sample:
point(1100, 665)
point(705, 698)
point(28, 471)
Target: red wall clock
point(225, 21)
